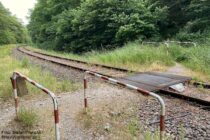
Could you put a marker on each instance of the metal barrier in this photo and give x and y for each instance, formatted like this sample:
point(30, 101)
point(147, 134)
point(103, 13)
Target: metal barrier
point(167, 43)
point(144, 92)
point(51, 94)
point(185, 42)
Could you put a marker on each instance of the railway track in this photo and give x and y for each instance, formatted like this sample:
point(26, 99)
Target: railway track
point(107, 71)
point(76, 64)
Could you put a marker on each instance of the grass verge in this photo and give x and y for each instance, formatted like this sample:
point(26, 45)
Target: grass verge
point(195, 58)
point(132, 56)
point(9, 64)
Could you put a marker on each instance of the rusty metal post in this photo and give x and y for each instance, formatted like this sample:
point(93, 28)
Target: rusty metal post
point(162, 114)
point(14, 86)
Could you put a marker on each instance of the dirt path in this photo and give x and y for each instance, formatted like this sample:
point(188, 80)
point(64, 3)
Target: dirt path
point(8, 109)
point(70, 106)
point(7, 113)
point(178, 69)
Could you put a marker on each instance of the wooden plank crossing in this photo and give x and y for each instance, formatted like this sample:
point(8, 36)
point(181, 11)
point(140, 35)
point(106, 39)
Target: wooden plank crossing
point(154, 81)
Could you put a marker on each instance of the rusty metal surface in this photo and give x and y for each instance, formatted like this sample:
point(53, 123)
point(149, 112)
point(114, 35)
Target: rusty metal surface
point(153, 81)
point(171, 76)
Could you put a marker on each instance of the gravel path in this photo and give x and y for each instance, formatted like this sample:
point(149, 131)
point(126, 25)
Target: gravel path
point(7, 113)
point(177, 69)
point(98, 97)
point(8, 109)
point(70, 105)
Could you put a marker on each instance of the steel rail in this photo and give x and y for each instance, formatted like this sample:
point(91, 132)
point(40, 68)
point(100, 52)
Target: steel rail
point(70, 66)
point(142, 91)
point(50, 93)
point(79, 61)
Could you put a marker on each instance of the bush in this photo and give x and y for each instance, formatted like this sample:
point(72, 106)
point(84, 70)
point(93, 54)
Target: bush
point(178, 53)
point(94, 24)
point(100, 24)
point(27, 117)
point(185, 36)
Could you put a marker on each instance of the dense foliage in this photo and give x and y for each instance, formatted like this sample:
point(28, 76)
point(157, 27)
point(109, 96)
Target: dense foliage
point(80, 26)
point(11, 30)
point(93, 24)
point(187, 19)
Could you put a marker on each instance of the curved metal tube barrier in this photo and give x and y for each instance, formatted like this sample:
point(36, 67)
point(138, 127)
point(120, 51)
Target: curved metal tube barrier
point(144, 92)
point(51, 94)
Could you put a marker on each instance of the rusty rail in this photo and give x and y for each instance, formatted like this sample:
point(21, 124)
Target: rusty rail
point(144, 92)
point(51, 94)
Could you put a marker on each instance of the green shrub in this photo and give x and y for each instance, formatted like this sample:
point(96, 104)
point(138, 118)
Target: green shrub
point(178, 53)
point(27, 117)
point(186, 36)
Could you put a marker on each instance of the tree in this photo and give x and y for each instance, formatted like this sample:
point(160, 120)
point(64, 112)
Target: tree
point(11, 30)
point(42, 26)
point(93, 24)
point(199, 17)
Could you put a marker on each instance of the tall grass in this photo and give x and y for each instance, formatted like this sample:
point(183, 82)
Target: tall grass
point(9, 64)
point(195, 58)
point(198, 59)
point(149, 57)
point(132, 56)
